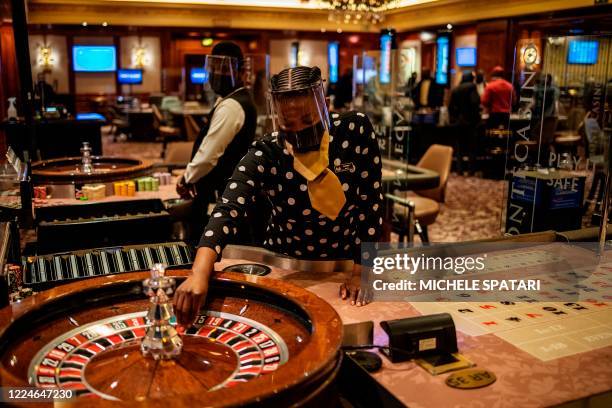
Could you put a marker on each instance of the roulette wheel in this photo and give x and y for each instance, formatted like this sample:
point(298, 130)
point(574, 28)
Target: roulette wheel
point(256, 340)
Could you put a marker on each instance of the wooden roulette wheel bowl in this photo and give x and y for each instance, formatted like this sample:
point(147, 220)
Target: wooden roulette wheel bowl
point(257, 340)
point(66, 170)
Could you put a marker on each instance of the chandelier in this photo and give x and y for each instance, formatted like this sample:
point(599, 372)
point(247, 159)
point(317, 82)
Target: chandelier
point(358, 11)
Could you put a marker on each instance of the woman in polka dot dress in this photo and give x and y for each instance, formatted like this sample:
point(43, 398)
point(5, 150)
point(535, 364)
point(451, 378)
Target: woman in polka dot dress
point(322, 177)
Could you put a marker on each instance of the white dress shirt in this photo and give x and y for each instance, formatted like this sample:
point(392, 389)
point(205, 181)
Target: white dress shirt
point(226, 122)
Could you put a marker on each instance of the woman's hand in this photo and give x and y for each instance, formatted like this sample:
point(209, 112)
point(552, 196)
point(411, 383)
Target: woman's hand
point(191, 294)
point(184, 190)
point(351, 289)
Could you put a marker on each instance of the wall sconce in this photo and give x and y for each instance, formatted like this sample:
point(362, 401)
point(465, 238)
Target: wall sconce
point(140, 56)
point(45, 58)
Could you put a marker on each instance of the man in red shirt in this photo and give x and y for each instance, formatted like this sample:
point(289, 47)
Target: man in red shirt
point(497, 99)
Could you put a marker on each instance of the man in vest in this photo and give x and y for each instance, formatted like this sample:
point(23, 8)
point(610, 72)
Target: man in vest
point(230, 132)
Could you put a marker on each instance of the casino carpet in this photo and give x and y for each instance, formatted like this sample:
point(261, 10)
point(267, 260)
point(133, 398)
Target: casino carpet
point(472, 209)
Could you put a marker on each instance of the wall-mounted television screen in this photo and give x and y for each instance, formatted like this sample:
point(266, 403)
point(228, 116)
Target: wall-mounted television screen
point(583, 52)
point(332, 59)
point(466, 57)
point(94, 58)
point(129, 76)
point(197, 75)
point(442, 58)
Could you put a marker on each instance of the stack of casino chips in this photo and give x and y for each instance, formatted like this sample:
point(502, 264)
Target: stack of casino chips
point(163, 177)
point(93, 191)
point(40, 192)
point(147, 184)
point(124, 188)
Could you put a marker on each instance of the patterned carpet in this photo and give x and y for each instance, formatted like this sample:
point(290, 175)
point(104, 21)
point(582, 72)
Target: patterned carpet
point(472, 209)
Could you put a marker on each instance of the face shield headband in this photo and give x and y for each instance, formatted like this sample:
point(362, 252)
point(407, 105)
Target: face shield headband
point(222, 73)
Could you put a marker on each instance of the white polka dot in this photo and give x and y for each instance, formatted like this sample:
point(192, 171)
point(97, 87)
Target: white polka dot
point(258, 153)
point(331, 139)
point(280, 209)
point(337, 162)
point(323, 255)
point(208, 233)
point(251, 183)
point(361, 114)
point(310, 248)
point(232, 186)
point(345, 187)
point(224, 200)
point(335, 245)
point(273, 170)
point(278, 241)
point(234, 213)
point(335, 115)
point(254, 144)
point(358, 149)
point(376, 184)
point(235, 230)
point(280, 187)
point(286, 152)
point(380, 221)
point(375, 207)
point(364, 174)
point(366, 255)
point(303, 187)
point(363, 197)
point(289, 175)
point(337, 123)
point(323, 240)
point(371, 231)
point(241, 168)
point(322, 222)
point(291, 220)
point(361, 217)
point(345, 144)
point(346, 247)
point(298, 253)
point(260, 168)
point(217, 215)
point(297, 238)
point(306, 212)
point(357, 241)
point(308, 232)
point(365, 151)
point(241, 200)
point(291, 201)
point(373, 135)
point(336, 228)
point(361, 129)
point(351, 126)
point(218, 249)
point(289, 240)
point(280, 228)
point(346, 232)
point(225, 229)
point(272, 192)
point(376, 159)
point(270, 241)
point(274, 134)
point(289, 227)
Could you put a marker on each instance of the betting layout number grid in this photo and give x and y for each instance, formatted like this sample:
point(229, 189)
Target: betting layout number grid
point(546, 330)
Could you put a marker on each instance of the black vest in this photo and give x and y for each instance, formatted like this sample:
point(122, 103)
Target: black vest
point(214, 182)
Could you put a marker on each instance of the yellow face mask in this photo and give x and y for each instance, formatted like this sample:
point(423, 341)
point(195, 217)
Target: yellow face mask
point(324, 188)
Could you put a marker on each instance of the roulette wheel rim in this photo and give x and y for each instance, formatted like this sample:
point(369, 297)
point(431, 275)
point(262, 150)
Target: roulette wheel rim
point(42, 171)
point(312, 367)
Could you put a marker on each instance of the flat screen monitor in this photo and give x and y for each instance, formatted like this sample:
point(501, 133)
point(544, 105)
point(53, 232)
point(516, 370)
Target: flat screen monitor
point(94, 58)
point(466, 57)
point(385, 58)
point(90, 116)
point(583, 52)
point(129, 76)
point(197, 75)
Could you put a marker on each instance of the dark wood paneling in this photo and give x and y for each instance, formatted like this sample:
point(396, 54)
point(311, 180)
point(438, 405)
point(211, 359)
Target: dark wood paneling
point(492, 43)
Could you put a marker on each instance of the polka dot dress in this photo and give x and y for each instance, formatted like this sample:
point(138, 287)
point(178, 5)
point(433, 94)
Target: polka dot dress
point(295, 228)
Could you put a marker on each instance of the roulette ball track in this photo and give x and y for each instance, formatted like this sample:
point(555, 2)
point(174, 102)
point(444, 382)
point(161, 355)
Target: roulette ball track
point(105, 169)
point(256, 340)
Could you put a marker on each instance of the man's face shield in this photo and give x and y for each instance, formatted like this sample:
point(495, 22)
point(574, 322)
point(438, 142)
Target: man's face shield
point(300, 116)
point(222, 73)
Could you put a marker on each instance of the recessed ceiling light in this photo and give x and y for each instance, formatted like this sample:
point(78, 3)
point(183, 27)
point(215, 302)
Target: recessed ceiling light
point(339, 31)
point(104, 24)
point(84, 23)
point(449, 26)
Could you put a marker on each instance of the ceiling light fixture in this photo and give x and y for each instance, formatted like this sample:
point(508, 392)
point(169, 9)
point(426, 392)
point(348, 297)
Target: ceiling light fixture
point(358, 11)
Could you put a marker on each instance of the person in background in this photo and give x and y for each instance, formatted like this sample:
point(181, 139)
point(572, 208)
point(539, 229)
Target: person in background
point(464, 112)
point(344, 91)
point(44, 92)
point(220, 145)
point(427, 93)
point(411, 84)
point(322, 175)
point(498, 99)
point(480, 82)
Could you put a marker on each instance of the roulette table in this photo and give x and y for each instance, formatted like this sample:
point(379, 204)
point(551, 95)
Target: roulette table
point(255, 340)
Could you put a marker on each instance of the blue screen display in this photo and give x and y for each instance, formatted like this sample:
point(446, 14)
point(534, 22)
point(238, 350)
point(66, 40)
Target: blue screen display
point(443, 46)
point(129, 76)
point(332, 58)
point(466, 57)
point(198, 76)
point(582, 52)
point(385, 59)
point(90, 116)
point(94, 58)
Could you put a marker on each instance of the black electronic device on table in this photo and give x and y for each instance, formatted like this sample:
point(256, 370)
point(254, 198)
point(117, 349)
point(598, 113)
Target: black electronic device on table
point(81, 226)
point(44, 271)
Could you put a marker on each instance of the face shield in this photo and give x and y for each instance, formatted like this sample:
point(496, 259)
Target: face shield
point(300, 116)
point(222, 73)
